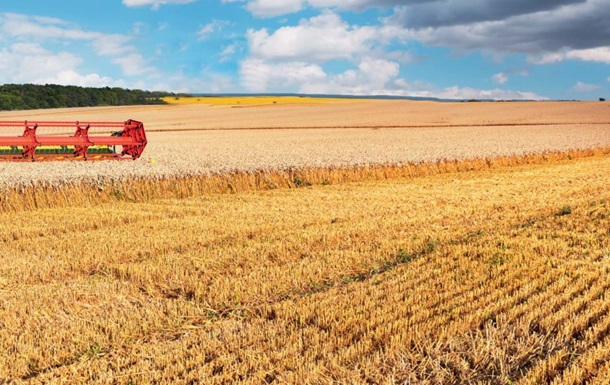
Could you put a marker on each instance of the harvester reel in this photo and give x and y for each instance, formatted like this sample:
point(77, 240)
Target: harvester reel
point(49, 140)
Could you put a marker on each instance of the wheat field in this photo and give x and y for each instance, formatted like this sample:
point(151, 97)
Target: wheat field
point(488, 268)
point(200, 139)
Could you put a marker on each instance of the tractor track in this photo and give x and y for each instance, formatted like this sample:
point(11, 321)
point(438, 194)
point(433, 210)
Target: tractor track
point(382, 126)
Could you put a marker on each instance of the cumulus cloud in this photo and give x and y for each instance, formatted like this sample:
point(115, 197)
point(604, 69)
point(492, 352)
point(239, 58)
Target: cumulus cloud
point(292, 59)
point(293, 56)
point(371, 77)
point(321, 38)
point(544, 29)
point(260, 76)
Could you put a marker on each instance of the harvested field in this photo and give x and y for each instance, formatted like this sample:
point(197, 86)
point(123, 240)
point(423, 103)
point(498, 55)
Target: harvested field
point(338, 243)
point(220, 138)
point(497, 276)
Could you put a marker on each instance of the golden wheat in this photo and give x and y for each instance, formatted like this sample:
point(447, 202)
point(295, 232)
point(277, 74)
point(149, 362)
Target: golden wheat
point(494, 276)
point(200, 140)
point(398, 242)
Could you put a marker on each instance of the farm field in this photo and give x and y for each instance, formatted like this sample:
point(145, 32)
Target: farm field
point(346, 245)
point(202, 139)
point(491, 276)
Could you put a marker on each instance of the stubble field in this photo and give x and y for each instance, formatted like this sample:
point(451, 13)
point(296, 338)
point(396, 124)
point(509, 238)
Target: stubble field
point(443, 265)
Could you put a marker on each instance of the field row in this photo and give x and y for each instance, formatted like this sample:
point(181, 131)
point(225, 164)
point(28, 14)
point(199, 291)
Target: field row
point(490, 276)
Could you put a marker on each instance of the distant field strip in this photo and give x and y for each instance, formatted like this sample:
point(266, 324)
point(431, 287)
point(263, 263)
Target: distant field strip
point(495, 276)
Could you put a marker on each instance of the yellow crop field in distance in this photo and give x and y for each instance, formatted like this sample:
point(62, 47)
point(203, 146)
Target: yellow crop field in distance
point(245, 100)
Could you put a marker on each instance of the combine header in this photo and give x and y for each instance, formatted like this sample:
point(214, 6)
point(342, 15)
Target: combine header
point(49, 140)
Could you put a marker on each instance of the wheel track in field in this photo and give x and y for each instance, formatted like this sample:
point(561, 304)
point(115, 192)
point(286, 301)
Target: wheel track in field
point(385, 126)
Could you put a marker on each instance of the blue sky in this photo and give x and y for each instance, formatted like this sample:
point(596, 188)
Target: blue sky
point(499, 49)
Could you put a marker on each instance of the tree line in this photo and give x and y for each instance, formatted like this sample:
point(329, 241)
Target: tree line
point(32, 96)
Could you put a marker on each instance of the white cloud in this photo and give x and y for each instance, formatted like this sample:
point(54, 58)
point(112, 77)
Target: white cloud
point(30, 63)
point(270, 8)
point(500, 78)
point(259, 76)
point(71, 77)
point(23, 26)
point(35, 31)
point(227, 52)
point(323, 37)
point(467, 93)
point(155, 4)
point(600, 54)
point(205, 31)
point(584, 87)
point(371, 77)
point(213, 26)
point(291, 59)
point(112, 45)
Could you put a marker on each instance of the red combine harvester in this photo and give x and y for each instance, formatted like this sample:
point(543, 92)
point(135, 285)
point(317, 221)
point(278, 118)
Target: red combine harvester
point(49, 140)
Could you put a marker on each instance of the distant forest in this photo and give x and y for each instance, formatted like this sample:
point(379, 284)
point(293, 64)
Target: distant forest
point(31, 96)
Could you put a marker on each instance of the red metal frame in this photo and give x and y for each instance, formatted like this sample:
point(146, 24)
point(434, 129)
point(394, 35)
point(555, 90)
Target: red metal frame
point(131, 137)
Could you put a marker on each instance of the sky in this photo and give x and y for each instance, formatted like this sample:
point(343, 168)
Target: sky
point(451, 49)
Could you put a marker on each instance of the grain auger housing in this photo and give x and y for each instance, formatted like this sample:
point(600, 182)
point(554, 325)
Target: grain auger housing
point(55, 140)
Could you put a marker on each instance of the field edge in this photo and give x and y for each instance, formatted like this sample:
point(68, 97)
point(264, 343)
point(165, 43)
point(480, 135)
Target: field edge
point(86, 193)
